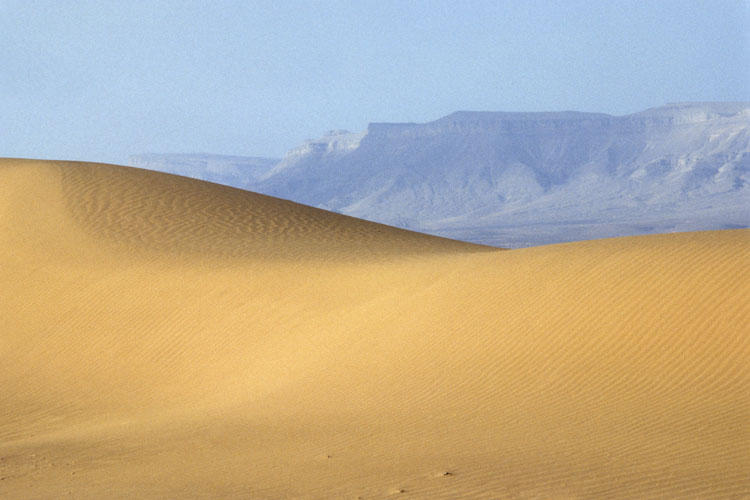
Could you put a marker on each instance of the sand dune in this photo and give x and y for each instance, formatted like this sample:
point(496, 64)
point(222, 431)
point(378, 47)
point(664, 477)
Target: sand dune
point(162, 337)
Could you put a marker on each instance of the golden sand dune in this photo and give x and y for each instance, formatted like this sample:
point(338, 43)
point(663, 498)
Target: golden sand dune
point(162, 337)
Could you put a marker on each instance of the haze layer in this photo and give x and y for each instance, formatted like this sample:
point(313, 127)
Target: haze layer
point(163, 337)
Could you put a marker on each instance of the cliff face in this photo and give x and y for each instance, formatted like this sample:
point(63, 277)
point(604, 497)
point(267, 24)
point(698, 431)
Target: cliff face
point(518, 179)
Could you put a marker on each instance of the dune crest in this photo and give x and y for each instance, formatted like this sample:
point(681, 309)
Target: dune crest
point(168, 338)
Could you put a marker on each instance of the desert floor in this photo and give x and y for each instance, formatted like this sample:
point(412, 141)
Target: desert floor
point(162, 337)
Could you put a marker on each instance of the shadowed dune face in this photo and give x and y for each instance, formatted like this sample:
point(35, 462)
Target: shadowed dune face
point(162, 337)
point(146, 210)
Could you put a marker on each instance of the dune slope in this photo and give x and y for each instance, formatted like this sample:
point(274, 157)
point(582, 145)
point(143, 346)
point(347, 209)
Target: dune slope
point(162, 337)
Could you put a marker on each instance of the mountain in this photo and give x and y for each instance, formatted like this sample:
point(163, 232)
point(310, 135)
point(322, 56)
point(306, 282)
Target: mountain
point(524, 179)
point(238, 171)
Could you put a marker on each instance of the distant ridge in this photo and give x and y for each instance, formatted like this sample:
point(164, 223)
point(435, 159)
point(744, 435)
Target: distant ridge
point(237, 171)
point(522, 179)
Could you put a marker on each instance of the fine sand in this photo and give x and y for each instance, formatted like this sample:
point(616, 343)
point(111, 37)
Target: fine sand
point(162, 337)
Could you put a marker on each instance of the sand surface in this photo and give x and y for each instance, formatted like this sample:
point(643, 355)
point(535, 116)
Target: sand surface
point(162, 337)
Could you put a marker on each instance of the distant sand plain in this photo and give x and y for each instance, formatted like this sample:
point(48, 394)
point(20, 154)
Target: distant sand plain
point(162, 337)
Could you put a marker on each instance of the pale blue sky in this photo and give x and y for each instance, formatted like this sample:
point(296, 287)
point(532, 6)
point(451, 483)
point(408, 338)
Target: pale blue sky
point(99, 80)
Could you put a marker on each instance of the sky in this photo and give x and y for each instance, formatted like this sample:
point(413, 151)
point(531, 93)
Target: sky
point(101, 80)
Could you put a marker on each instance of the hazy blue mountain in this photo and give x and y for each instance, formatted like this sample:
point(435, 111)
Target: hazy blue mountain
point(520, 179)
point(238, 171)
